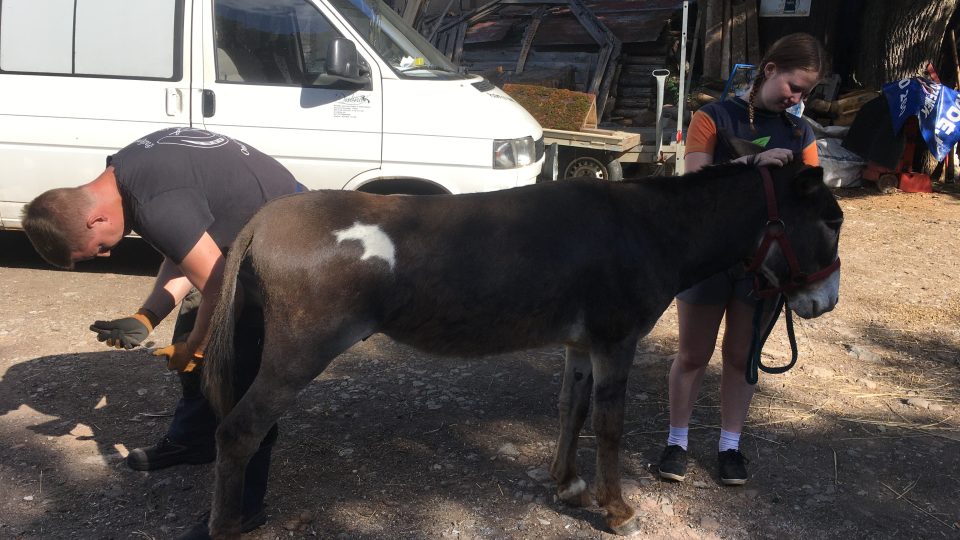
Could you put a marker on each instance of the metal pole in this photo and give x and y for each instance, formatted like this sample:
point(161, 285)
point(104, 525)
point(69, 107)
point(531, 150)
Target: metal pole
point(683, 75)
point(661, 75)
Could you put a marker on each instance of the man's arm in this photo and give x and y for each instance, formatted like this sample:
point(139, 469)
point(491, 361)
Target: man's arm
point(203, 267)
point(169, 289)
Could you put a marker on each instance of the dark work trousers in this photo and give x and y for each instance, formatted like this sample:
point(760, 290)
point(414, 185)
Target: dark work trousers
point(194, 422)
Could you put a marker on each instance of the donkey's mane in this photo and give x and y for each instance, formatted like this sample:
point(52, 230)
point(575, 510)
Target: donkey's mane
point(707, 173)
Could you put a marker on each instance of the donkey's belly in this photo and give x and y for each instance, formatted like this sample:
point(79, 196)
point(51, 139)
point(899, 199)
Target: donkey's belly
point(464, 332)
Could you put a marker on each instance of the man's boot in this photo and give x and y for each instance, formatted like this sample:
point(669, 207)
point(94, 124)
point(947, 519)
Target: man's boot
point(190, 437)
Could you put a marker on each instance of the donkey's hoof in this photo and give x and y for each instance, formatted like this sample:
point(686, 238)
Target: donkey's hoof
point(575, 494)
point(629, 527)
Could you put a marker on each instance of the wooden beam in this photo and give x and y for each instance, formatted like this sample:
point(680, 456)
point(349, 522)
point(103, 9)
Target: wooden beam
point(528, 37)
point(713, 37)
point(738, 32)
point(753, 34)
point(725, 64)
point(411, 10)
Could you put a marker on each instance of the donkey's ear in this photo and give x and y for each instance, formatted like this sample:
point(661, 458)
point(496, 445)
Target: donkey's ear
point(736, 146)
point(808, 180)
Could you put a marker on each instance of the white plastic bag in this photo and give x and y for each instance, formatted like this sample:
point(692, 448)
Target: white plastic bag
point(841, 167)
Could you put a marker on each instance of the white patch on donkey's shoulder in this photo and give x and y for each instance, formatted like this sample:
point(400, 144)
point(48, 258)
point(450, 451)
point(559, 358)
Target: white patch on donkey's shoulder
point(375, 242)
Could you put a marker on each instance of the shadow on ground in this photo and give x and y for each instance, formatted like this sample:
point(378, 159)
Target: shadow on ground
point(389, 443)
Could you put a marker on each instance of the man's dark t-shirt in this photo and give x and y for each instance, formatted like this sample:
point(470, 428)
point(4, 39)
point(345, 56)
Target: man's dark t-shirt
point(178, 183)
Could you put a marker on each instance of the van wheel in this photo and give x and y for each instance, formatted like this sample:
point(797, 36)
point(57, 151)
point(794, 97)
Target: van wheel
point(592, 166)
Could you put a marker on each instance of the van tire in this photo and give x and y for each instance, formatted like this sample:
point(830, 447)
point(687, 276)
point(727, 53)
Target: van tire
point(590, 165)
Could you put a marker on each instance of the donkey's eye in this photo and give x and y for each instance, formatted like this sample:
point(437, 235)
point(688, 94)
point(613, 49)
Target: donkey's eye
point(834, 224)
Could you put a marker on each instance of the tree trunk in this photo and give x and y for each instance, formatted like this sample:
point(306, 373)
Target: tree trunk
point(899, 38)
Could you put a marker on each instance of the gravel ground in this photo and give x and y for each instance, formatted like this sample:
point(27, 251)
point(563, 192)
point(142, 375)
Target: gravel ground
point(861, 440)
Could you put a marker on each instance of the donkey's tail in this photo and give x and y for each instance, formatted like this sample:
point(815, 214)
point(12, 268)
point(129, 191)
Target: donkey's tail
point(218, 371)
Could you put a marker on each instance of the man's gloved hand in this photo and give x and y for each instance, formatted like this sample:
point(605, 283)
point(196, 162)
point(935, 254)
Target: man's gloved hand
point(775, 157)
point(125, 333)
point(180, 357)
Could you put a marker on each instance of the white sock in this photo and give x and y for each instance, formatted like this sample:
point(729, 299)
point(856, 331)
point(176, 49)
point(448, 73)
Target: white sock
point(678, 436)
point(729, 441)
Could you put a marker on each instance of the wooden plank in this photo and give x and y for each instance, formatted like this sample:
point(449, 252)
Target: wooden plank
point(725, 64)
point(528, 36)
point(738, 32)
point(713, 35)
point(411, 10)
point(618, 141)
point(753, 34)
point(458, 43)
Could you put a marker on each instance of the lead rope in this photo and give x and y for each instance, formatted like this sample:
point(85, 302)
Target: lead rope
point(754, 361)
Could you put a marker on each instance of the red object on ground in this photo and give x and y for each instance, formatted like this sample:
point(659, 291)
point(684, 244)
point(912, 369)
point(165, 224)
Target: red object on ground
point(903, 177)
point(912, 182)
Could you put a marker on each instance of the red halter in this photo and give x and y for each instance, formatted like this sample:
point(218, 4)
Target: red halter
point(776, 232)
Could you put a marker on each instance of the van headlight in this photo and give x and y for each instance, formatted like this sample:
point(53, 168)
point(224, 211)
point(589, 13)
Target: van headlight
point(513, 153)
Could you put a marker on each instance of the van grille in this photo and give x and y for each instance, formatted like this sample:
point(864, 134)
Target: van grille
point(539, 147)
point(484, 85)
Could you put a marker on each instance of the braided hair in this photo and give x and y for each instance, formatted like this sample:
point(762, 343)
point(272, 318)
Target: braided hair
point(793, 51)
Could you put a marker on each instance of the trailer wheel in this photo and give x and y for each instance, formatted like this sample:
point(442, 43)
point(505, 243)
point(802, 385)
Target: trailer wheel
point(592, 166)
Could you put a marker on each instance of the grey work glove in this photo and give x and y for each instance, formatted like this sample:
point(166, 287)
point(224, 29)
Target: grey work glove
point(776, 157)
point(125, 333)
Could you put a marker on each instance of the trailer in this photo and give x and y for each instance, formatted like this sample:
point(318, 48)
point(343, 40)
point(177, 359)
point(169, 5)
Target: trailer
point(572, 45)
point(603, 153)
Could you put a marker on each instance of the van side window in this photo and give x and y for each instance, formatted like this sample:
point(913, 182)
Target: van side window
point(282, 42)
point(100, 38)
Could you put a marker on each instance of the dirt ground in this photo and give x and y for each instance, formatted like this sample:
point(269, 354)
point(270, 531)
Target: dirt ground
point(861, 440)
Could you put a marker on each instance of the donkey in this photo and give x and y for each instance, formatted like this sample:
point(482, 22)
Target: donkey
point(586, 263)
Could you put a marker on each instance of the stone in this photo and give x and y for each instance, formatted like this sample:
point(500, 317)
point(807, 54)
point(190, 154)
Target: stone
point(918, 402)
point(508, 449)
point(630, 488)
point(823, 373)
point(540, 475)
point(864, 354)
point(870, 385)
point(709, 523)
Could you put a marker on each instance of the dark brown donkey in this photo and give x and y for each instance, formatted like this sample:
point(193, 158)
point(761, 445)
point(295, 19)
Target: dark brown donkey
point(589, 264)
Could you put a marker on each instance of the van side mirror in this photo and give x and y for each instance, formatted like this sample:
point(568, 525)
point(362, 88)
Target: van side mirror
point(343, 62)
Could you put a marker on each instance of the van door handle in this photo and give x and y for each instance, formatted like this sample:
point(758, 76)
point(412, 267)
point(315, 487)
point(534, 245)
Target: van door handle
point(174, 101)
point(209, 103)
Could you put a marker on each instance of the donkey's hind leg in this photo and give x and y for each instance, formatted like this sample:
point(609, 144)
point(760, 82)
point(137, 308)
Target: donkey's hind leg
point(574, 404)
point(286, 368)
point(611, 368)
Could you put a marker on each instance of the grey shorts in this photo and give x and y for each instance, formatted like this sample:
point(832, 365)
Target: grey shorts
point(719, 288)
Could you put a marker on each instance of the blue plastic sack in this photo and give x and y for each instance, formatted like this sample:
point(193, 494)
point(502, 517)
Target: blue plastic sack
point(937, 107)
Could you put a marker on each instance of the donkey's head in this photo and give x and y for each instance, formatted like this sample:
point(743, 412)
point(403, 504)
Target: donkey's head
point(804, 265)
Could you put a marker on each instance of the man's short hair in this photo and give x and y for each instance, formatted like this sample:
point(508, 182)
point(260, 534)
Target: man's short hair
point(56, 223)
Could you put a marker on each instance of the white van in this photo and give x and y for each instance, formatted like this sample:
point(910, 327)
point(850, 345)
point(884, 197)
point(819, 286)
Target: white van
point(342, 92)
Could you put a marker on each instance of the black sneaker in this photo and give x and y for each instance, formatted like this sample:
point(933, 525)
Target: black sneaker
point(200, 531)
point(167, 453)
point(673, 463)
point(733, 467)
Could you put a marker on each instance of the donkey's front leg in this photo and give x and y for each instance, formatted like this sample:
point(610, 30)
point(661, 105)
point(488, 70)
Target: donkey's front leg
point(574, 403)
point(611, 367)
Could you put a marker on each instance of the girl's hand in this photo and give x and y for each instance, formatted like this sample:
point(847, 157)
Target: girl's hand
point(775, 157)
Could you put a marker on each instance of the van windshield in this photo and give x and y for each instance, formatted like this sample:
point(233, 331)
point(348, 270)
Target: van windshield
point(407, 52)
